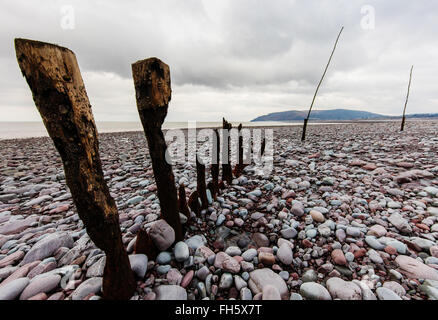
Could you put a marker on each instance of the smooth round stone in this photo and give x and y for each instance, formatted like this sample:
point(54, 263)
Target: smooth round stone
point(284, 254)
point(164, 257)
point(139, 264)
point(233, 251)
point(261, 277)
point(187, 279)
point(196, 241)
point(170, 292)
point(289, 233)
point(249, 254)
point(395, 287)
point(181, 251)
point(270, 293)
point(220, 219)
point(311, 233)
point(317, 216)
point(203, 273)
point(349, 256)
point(239, 283)
point(353, 231)
point(245, 294)
point(374, 243)
point(163, 269)
point(309, 276)
point(11, 290)
point(386, 294)
point(40, 285)
point(245, 276)
point(89, 286)
point(295, 296)
point(344, 290)
point(226, 281)
point(314, 291)
point(162, 234)
point(284, 275)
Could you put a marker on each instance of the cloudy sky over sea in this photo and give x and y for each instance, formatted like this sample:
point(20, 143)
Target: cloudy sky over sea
point(233, 58)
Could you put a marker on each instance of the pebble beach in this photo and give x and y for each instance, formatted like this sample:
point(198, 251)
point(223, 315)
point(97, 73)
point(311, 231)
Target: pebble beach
point(350, 214)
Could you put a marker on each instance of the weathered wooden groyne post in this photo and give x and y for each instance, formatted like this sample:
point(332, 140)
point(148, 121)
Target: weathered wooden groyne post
point(215, 164)
point(227, 174)
point(54, 78)
point(153, 94)
point(238, 169)
point(200, 182)
point(406, 103)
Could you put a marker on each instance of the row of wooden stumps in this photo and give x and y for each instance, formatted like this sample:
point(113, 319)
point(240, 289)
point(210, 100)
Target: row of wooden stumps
point(53, 75)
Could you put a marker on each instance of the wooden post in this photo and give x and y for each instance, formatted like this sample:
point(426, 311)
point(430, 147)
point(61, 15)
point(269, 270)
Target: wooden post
point(153, 94)
point(215, 166)
point(238, 169)
point(54, 78)
point(406, 103)
point(200, 179)
point(303, 136)
point(227, 174)
point(194, 203)
point(182, 202)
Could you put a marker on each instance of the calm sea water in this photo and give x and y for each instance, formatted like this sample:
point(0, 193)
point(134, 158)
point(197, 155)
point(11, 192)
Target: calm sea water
point(12, 130)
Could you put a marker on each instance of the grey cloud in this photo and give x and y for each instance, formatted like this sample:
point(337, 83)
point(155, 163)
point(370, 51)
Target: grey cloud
point(271, 53)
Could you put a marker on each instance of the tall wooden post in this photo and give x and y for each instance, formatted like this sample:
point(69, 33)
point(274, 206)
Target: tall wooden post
point(54, 78)
point(153, 94)
point(238, 169)
point(227, 174)
point(303, 136)
point(406, 103)
point(215, 164)
point(200, 182)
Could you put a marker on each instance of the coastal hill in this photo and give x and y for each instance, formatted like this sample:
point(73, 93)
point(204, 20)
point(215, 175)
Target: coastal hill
point(336, 114)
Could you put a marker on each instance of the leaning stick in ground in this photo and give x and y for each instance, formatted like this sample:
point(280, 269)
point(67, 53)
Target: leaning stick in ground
point(227, 174)
point(153, 94)
point(406, 103)
point(303, 137)
point(54, 78)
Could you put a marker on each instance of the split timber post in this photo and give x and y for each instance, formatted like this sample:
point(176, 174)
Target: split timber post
point(227, 174)
point(54, 78)
point(406, 103)
point(303, 136)
point(153, 94)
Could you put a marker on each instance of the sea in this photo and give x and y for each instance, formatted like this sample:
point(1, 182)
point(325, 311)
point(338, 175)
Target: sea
point(16, 130)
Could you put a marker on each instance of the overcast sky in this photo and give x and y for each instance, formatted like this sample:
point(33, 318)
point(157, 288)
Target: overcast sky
point(238, 58)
